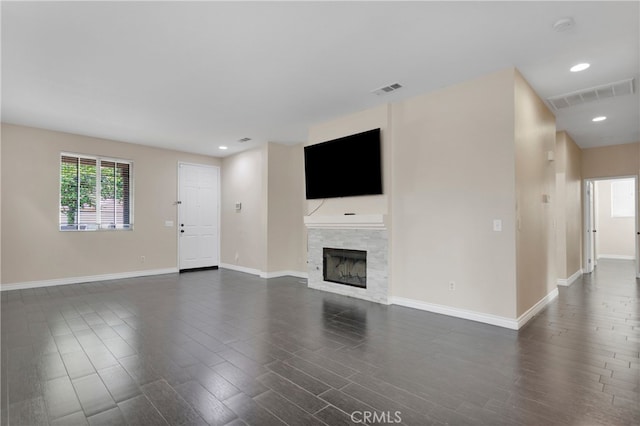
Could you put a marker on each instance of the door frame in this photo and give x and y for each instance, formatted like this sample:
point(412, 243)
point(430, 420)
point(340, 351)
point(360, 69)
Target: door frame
point(588, 247)
point(178, 202)
point(587, 214)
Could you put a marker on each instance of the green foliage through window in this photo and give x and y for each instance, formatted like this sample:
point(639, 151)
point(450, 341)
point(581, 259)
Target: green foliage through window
point(94, 193)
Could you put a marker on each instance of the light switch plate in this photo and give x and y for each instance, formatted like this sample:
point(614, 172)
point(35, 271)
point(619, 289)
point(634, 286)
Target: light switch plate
point(497, 225)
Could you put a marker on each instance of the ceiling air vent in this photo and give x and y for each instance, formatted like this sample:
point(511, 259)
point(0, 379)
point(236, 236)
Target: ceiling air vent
point(243, 140)
point(611, 90)
point(387, 89)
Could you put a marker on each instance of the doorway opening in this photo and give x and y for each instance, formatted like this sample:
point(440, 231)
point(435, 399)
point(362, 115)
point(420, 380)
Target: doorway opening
point(611, 224)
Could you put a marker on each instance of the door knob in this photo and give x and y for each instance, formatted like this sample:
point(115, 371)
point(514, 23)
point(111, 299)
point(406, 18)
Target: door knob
point(182, 224)
point(182, 231)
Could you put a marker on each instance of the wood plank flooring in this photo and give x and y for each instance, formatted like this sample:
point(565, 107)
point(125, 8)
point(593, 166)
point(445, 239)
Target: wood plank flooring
point(222, 347)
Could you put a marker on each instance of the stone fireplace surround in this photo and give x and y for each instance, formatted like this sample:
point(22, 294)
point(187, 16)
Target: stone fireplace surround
point(352, 232)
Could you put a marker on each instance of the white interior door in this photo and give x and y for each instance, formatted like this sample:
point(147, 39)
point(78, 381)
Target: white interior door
point(198, 233)
point(589, 223)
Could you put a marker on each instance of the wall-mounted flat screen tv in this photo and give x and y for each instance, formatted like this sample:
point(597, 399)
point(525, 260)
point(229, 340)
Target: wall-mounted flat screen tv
point(344, 167)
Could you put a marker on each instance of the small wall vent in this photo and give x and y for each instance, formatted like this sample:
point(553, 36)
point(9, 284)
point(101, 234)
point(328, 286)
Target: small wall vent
point(243, 140)
point(579, 97)
point(387, 89)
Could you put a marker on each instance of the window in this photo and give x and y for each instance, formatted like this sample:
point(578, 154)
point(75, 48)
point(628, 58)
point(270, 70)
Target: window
point(622, 198)
point(95, 193)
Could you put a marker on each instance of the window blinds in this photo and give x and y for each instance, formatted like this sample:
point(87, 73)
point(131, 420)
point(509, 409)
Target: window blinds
point(94, 193)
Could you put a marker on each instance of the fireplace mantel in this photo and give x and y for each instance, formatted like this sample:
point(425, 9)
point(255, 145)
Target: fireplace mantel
point(355, 221)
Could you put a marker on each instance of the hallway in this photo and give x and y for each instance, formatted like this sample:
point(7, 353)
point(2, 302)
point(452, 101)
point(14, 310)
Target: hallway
point(592, 331)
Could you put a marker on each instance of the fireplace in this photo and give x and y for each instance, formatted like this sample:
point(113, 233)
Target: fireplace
point(365, 234)
point(342, 266)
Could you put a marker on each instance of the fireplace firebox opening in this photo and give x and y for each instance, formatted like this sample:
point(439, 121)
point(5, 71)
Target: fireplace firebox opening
point(344, 266)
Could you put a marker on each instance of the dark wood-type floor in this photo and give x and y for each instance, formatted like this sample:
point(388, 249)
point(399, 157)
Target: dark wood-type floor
point(221, 347)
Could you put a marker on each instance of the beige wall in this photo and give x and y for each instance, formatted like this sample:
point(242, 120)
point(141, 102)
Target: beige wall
point(616, 235)
point(358, 122)
point(535, 135)
point(568, 162)
point(573, 203)
point(560, 204)
point(244, 232)
point(456, 160)
point(285, 238)
point(266, 235)
point(611, 161)
point(1, 131)
point(453, 175)
point(33, 248)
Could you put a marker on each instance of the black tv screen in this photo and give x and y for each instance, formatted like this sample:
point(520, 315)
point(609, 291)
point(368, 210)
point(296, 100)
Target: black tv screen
point(344, 167)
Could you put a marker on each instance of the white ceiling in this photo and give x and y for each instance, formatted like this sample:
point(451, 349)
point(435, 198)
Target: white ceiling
point(193, 76)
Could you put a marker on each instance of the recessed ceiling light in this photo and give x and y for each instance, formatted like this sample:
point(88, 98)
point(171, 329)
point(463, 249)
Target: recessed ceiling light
point(579, 67)
point(601, 118)
point(222, 147)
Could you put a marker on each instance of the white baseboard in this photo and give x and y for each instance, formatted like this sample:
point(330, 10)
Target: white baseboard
point(263, 274)
point(456, 312)
point(134, 274)
point(513, 324)
point(568, 281)
point(535, 309)
point(277, 274)
point(616, 256)
point(87, 279)
point(240, 269)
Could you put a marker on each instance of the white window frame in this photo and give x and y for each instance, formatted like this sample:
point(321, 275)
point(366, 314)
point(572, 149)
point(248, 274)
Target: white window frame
point(99, 227)
point(622, 205)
